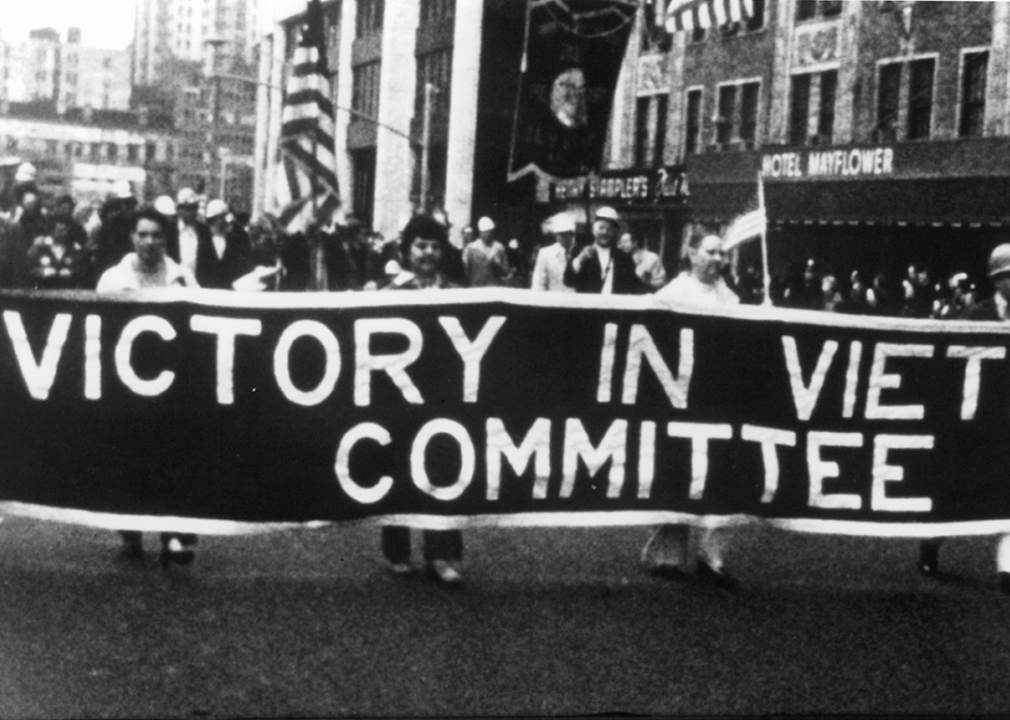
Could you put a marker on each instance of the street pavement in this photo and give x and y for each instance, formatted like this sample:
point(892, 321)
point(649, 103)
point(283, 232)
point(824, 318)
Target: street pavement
point(550, 621)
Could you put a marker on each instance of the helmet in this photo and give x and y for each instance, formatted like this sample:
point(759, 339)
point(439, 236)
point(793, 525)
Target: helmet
point(999, 260)
point(215, 208)
point(607, 213)
point(562, 223)
point(485, 224)
point(165, 205)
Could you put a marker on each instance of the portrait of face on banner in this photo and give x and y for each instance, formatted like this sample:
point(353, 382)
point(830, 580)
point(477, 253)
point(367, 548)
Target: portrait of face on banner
point(573, 57)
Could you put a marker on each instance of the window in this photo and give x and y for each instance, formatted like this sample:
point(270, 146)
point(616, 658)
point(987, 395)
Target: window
point(757, 18)
point(799, 109)
point(920, 98)
point(112, 151)
point(132, 152)
point(724, 120)
point(434, 68)
point(149, 152)
point(888, 94)
point(369, 19)
point(749, 93)
point(642, 158)
point(365, 93)
point(973, 81)
point(659, 146)
point(693, 136)
point(435, 11)
point(363, 180)
point(826, 111)
point(811, 9)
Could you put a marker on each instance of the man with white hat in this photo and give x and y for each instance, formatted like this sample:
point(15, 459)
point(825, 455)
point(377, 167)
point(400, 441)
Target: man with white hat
point(228, 256)
point(995, 308)
point(195, 246)
point(601, 267)
point(549, 269)
point(485, 260)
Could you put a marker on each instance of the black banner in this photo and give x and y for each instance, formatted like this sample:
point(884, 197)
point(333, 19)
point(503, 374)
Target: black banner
point(573, 56)
point(218, 412)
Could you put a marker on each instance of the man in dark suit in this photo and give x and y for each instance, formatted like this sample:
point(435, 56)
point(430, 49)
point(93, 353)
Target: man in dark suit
point(601, 268)
point(225, 258)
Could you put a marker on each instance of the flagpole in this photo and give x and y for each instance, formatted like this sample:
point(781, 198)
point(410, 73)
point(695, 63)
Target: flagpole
point(767, 302)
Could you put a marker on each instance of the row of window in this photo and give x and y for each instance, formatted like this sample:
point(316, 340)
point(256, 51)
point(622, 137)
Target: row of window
point(904, 109)
point(368, 21)
point(89, 151)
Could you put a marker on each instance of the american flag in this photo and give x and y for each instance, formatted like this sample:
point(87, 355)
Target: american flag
point(694, 14)
point(308, 181)
point(749, 225)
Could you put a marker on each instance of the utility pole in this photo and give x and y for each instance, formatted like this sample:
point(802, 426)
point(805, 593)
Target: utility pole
point(429, 90)
point(215, 44)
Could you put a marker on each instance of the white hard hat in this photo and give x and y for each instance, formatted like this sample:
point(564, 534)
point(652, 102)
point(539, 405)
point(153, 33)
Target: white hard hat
point(187, 196)
point(485, 224)
point(563, 223)
point(216, 207)
point(607, 213)
point(25, 173)
point(165, 205)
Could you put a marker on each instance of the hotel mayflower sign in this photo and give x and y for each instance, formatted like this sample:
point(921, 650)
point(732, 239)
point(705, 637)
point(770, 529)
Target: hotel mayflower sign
point(833, 163)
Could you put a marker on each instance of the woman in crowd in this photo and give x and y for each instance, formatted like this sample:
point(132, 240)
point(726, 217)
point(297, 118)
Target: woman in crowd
point(423, 245)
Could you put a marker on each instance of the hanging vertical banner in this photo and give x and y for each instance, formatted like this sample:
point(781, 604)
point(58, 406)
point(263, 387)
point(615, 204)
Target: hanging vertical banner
point(571, 62)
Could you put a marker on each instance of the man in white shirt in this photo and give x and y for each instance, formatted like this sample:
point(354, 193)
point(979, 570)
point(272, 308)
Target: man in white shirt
point(549, 269)
point(149, 265)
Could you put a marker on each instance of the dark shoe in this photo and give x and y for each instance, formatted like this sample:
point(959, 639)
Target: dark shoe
point(133, 546)
point(1003, 582)
point(174, 552)
point(443, 572)
point(667, 572)
point(929, 560)
point(718, 578)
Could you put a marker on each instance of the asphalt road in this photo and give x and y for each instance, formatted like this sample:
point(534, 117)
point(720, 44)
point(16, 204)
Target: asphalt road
point(551, 621)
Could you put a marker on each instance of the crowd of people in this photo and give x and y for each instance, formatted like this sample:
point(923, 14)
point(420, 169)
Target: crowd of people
point(186, 242)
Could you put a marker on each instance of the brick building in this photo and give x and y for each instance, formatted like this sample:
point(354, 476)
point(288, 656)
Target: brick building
point(881, 130)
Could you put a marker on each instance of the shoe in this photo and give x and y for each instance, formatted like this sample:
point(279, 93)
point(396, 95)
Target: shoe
point(402, 569)
point(441, 571)
point(133, 548)
point(929, 560)
point(174, 552)
point(667, 572)
point(718, 578)
point(1003, 582)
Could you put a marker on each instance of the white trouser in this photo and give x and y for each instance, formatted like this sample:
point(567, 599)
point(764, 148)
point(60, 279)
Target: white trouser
point(670, 545)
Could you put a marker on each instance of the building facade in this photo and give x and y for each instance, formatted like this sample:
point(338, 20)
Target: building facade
point(880, 131)
point(86, 153)
point(46, 69)
point(454, 62)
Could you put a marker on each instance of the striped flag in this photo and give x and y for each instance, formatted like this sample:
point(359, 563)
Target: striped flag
point(750, 225)
point(307, 180)
point(745, 227)
point(695, 14)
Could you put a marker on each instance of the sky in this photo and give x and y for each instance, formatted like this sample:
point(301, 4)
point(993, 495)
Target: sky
point(103, 23)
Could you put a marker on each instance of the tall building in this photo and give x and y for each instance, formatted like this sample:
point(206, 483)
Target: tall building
point(383, 56)
point(880, 130)
point(46, 69)
point(195, 31)
point(196, 60)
